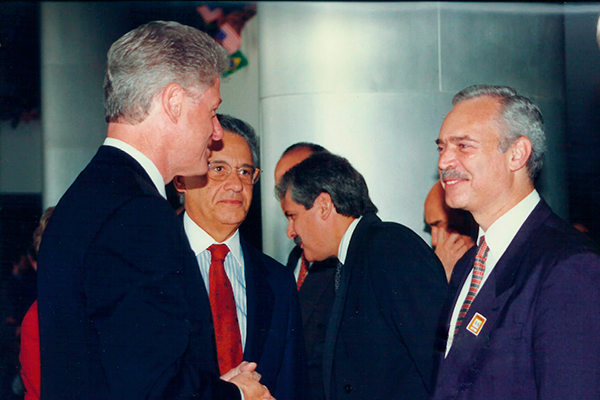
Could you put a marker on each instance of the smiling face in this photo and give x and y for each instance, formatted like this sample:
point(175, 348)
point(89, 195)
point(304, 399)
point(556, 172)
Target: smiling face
point(199, 127)
point(219, 207)
point(476, 176)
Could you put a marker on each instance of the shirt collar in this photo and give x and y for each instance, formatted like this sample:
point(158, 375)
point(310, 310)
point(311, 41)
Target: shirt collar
point(200, 240)
point(345, 243)
point(143, 160)
point(504, 229)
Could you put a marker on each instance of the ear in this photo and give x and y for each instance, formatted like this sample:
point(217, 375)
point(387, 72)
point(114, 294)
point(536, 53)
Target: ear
point(324, 205)
point(172, 101)
point(179, 183)
point(519, 153)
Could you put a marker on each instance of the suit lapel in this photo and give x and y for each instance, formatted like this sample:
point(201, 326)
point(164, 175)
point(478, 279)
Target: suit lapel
point(352, 260)
point(491, 300)
point(317, 283)
point(259, 298)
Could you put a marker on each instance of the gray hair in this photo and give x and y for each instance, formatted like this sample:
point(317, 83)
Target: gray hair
point(240, 128)
point(325, 172)
point(145, 60)
point(519, 117)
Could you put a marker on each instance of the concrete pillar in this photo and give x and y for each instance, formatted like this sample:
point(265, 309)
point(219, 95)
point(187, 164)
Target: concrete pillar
point(373, 82)
point(74, 40)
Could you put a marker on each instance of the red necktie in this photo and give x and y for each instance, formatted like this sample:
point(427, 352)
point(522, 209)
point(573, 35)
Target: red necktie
point(303, 271)
point(478, 271)
point(222, 303)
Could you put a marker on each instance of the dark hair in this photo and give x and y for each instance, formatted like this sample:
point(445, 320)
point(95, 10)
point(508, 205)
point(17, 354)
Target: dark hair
point(519, 117)
point(38, 233)
point(240, 128)
point(327, 173)
point(145, 60)
point(313, 147)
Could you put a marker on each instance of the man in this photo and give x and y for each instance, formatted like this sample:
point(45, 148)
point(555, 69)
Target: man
point(380, 337)
point(264, 292)
point(315, 283)
point(120, 313)
point(522, 312)
point(451, 230)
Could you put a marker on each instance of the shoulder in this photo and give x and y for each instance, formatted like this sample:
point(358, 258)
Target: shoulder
point(396, 251)
point(395, 237)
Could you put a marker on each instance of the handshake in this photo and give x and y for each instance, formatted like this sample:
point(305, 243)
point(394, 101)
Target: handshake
point(245, 377)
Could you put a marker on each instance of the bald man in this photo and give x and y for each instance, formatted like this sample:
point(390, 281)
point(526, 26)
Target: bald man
point(451, 230)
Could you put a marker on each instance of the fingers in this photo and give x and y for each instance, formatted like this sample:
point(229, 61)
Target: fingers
point(246, 366)
point(252, 389)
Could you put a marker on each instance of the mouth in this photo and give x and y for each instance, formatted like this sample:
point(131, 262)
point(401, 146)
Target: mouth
point(232, 202)
point(452, 177)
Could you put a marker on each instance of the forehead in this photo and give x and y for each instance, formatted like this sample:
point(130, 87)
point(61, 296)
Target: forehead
point(474, 118)
point(289, 205)
point(232, 148)
point(212, 95)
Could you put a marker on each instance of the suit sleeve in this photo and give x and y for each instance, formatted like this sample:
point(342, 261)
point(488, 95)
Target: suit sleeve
point(411, 286)
point(293, 375)
point(566, 344)
point(137, 297)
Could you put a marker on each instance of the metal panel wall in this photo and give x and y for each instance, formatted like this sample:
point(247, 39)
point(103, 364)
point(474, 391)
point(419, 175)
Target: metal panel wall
point(373, 82)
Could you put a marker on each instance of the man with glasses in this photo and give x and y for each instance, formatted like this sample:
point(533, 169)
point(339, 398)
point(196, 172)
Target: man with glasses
point(253, 298)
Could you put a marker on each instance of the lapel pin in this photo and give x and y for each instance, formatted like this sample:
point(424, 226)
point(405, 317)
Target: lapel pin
point(476, 324)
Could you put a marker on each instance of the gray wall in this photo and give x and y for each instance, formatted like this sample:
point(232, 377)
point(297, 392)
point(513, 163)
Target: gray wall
point(373, 82)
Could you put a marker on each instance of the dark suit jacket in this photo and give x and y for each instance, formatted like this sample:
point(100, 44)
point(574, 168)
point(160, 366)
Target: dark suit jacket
point(274, 334)
point(380, 338)
point(122, 308)
point(316, 298)
point(541, 337)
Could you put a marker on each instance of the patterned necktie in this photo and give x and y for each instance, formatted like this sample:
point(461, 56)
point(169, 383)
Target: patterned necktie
point(222, 303)
point(338, 275)
point(303, 271)
point(478, 271)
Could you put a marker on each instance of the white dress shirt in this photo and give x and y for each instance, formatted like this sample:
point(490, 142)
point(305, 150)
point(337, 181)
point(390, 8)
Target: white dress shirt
point(345, 242)
point(498, 238)
point(144, 161)
point(200, 241)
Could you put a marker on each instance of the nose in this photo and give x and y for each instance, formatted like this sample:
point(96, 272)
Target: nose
point(233, 181)
point(217, 129)
point(290, 230)
point(434, 234)
point(446, 159)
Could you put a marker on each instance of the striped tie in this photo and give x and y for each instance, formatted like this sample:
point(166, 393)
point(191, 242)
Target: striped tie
point(303, 271)
point(478, 271)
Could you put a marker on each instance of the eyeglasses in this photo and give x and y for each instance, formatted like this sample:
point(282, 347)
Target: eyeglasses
point(220, 170)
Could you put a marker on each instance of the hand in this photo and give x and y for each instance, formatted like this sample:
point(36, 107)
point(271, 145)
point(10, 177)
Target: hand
point(252, 389)
point(450, 247)
point(244, 366)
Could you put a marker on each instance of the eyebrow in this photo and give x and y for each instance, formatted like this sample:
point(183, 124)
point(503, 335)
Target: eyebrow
point(226, 162)
point(456, 139)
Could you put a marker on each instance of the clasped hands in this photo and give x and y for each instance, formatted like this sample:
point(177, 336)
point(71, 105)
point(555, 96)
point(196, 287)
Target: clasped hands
point(247, 379)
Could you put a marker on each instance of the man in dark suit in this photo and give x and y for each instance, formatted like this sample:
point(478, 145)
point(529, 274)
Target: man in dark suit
point(120, 313)
point(264, 291)
point(522, 312)
point(381, 333)
point(315, 283)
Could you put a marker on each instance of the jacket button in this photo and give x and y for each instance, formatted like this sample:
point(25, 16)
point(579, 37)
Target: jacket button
point(348, 388)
